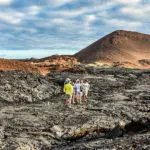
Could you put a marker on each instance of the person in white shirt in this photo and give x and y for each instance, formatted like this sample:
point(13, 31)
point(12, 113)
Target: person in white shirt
point(86, 87)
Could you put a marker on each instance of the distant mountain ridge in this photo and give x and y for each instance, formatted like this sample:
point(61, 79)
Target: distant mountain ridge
point(119, 46)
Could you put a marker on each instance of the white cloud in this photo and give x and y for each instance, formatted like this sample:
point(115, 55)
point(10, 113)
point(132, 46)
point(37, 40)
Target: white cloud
point(5, 2)
point(33, 10)
point(57, 3)
point(140, 11)
point(60, 24)
point(43, 24)
point(59, 21)
point(63, 22)
point(89, 19)
point(84, 10)
point(80, 24)
point(70, 13)
point(123, 23)
point(88, 28)
point(30, 30)
point(128, 2)
point(11, 17)
point(104, 14)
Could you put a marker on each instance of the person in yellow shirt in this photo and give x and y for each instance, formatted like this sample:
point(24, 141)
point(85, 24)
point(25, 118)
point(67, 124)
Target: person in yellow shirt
point(68, 90)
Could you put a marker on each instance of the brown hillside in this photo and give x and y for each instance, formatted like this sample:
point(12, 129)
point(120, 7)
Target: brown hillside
point(54, 63)
point(119, 46)
point(17, 65)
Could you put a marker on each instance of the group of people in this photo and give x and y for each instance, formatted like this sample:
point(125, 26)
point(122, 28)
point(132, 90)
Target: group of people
point(77, 91)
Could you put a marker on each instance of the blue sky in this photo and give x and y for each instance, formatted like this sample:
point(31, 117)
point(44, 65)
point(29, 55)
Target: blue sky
point(39, 28)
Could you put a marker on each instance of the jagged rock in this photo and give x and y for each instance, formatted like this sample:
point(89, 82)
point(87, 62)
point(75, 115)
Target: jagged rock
point(17, 86)
point(33, 111)
point(57, 130)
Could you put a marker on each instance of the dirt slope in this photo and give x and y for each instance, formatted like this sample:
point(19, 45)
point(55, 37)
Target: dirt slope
point(43, 65)
point(17, 65)
point(119, 46)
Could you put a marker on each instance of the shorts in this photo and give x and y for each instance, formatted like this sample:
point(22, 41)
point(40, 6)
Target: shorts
point(85, 93)
point(68, 96)
point(75, 92)
point(78, 93)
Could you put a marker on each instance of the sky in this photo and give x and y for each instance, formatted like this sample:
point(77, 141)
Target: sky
point(39, 28)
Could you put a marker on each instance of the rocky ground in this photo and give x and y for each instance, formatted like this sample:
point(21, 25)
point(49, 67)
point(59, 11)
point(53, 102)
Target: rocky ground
point(33, 114)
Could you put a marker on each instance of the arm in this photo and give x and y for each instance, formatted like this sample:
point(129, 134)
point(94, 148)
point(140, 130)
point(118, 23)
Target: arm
point(64, 89)
point(71, 89)
point(88, 86)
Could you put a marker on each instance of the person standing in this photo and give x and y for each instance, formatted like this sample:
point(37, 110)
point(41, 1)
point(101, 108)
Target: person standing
point(78, 86)
point(86, 87)
point(82, 86)
point(68, 90)
point(74, 96)
point(67, 80)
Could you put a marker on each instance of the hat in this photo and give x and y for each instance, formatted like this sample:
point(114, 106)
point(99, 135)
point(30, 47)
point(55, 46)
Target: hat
point(77, 80)
point(68, 79)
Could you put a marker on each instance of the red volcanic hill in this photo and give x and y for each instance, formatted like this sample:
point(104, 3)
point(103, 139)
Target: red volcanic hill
point(17, 65)
point(119, 46)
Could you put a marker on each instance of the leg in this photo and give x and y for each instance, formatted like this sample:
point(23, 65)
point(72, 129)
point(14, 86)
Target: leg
point(85, 96)
point(80, 97)
point(73, 97)
point(70, 98)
